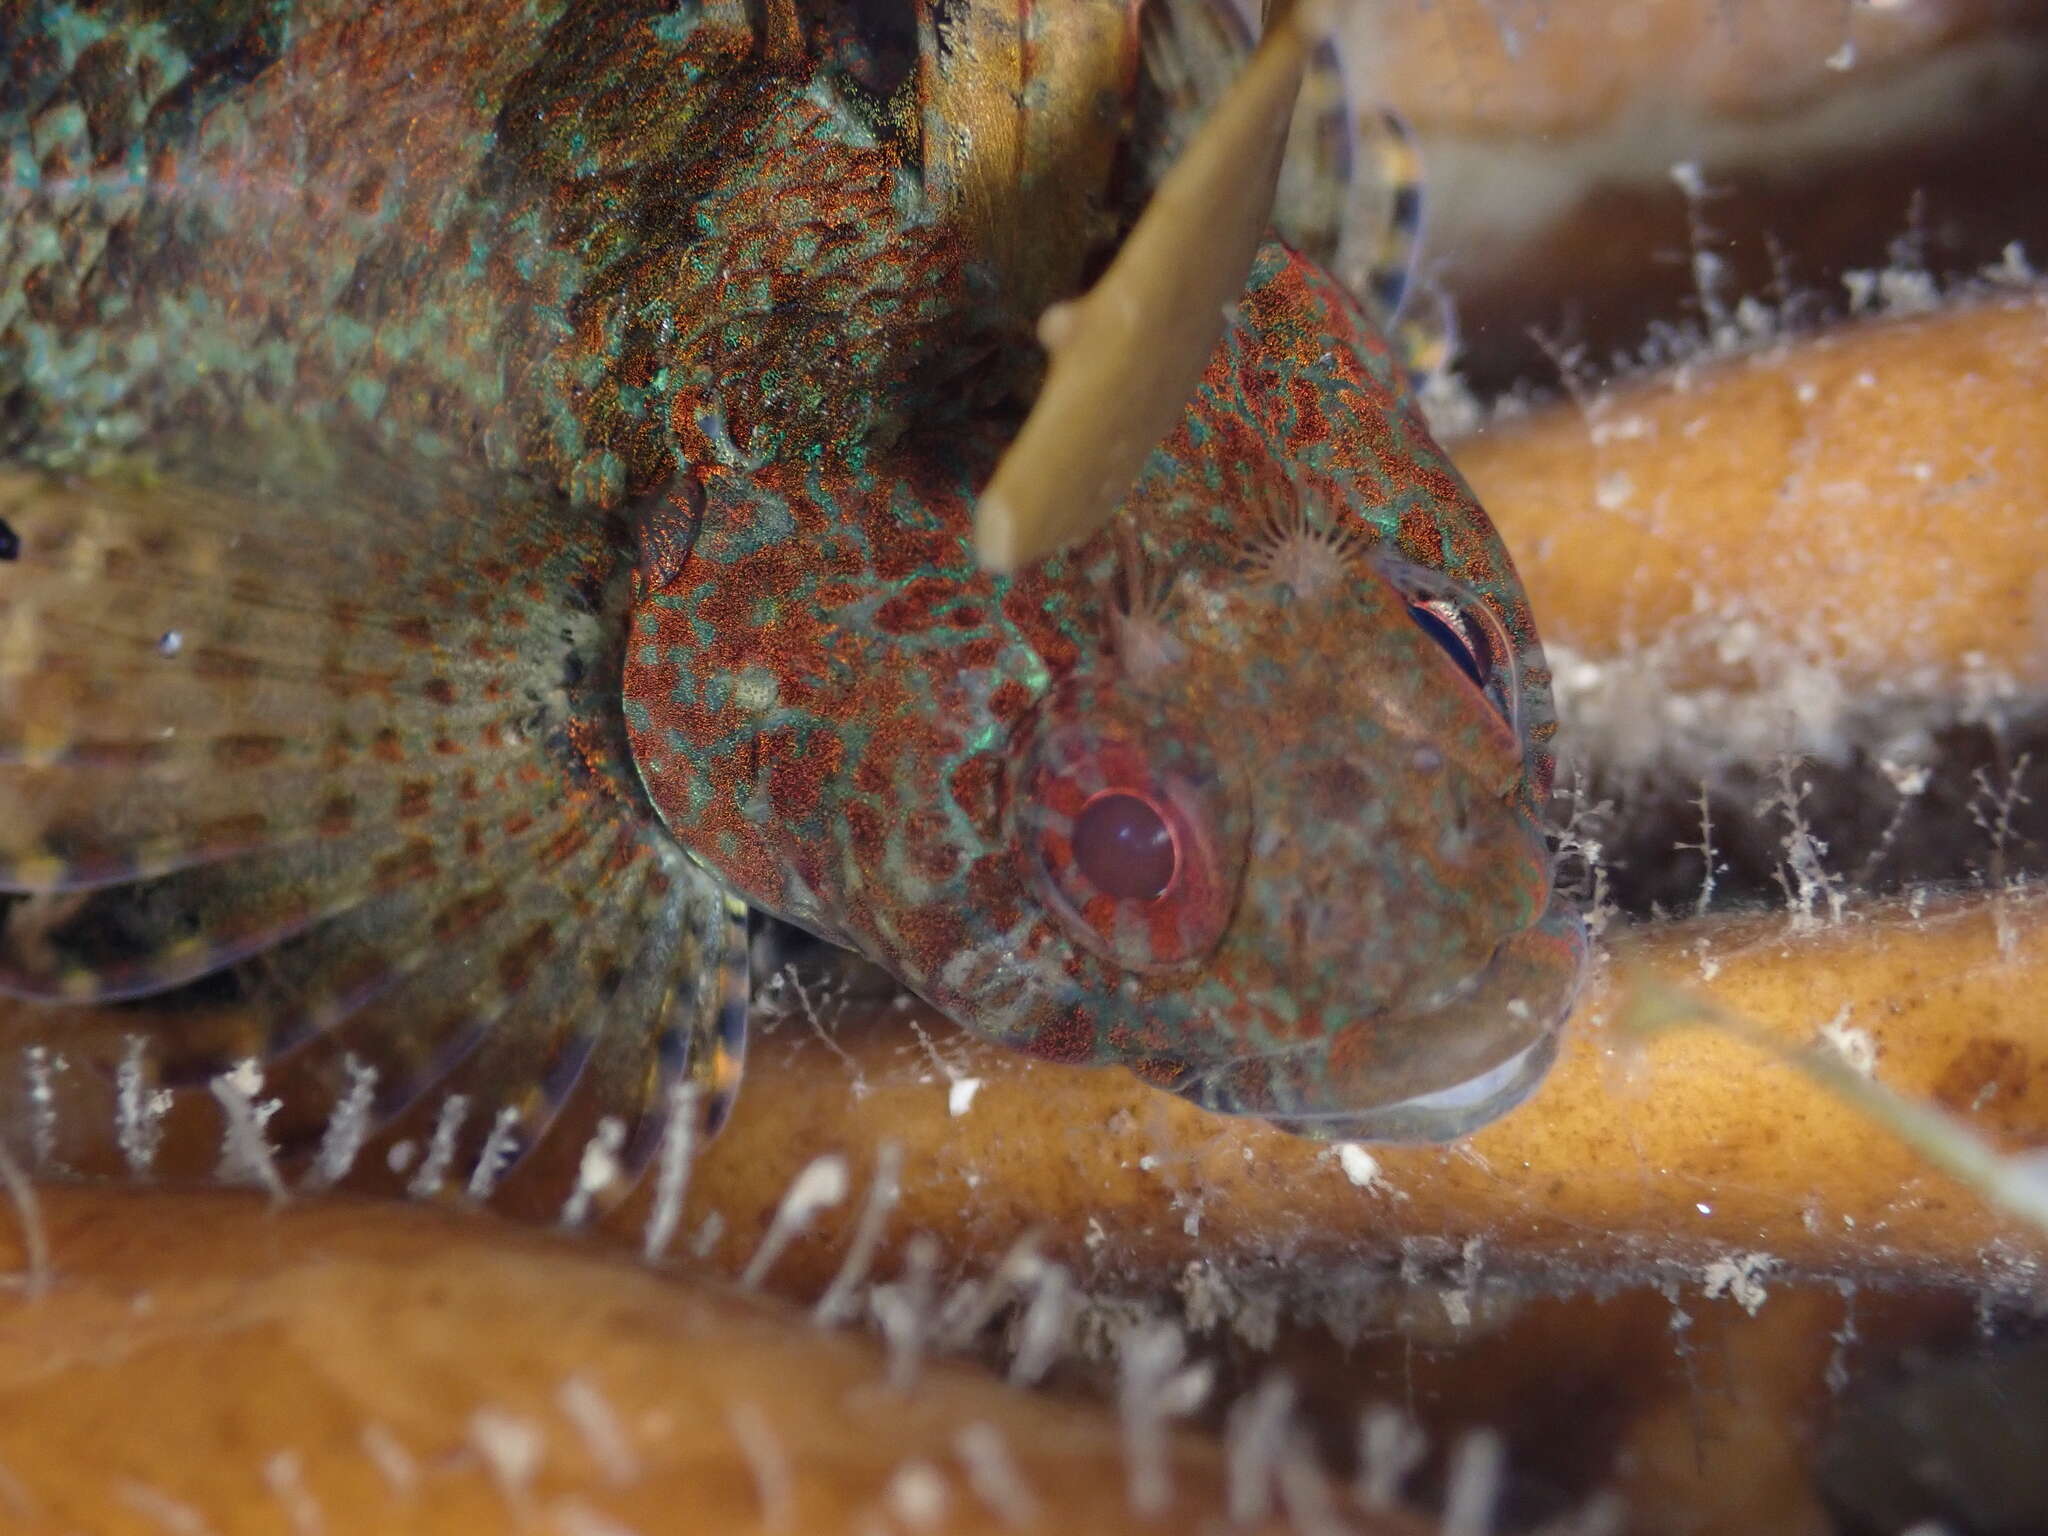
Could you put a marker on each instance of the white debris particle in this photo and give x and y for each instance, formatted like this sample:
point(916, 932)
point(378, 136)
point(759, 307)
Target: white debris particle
point(917, 1495)
point(394, 1463)
point(1856, 1047)
point(766, 1460)
point(994, 1476)
point(511, 1449)
point(960, 1097)
point(1359, 1165)
point(348, 1127)
point(285, 1475)
point(819, 1185)
point(591, 1416)
point(433, 1170)
point(598, 1171)
point(245, 1153)
point(1457, 1306)
point(401, 1154)
point(672, 1171)
point(1740, 1277)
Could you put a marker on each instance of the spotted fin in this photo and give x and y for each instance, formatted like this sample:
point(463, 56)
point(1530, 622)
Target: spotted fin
point(1192, 51)
point(333, 745)
point(1380, 257)
point(1349, 195)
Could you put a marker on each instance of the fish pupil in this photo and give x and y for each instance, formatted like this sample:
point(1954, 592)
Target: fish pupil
point(1125, 847)
point(10, 542)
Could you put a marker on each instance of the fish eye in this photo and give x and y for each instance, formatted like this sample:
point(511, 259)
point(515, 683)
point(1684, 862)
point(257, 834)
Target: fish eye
point(1125, 846)
point(1134, 842)
point(1464, 626)
point(1466, 646)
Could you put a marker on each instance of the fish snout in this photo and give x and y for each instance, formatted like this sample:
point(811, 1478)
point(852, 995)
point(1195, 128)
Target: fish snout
point(1408, 1073)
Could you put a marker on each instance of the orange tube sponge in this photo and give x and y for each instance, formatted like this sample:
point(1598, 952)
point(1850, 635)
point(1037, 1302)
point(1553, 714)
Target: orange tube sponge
point(197, 1363)
point(1672, 1151)
point(1870, 498)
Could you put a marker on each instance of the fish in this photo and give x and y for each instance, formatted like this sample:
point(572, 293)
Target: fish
point(492, 494)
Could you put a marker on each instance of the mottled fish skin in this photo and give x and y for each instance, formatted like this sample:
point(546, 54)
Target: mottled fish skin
point(650, 306)
point(860, 756)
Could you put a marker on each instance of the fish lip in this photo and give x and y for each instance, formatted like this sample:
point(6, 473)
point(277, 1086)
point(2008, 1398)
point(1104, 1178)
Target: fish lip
point(1447, 1111)
point(1457, 1109)
point(1442, 1114)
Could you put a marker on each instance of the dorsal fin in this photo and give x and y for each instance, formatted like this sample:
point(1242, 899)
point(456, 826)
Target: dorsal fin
point(1022, 108)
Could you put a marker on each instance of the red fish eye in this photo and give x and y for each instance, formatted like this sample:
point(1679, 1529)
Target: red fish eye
point(1134, 839)
point(1125, 847)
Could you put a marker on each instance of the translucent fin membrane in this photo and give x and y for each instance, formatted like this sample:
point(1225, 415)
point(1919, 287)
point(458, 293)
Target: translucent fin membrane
point(319, 765)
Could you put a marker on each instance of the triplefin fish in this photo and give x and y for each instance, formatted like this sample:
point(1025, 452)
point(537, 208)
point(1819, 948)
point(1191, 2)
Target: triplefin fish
point(491, 494)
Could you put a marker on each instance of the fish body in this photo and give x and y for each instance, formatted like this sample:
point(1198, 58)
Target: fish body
point(494, 489)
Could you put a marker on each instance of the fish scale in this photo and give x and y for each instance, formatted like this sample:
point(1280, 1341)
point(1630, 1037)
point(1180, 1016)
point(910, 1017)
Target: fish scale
point(492, 492)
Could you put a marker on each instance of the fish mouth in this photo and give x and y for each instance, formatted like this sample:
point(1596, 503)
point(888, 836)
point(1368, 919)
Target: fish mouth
point(1444, 1114)
point(1435, 1075)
